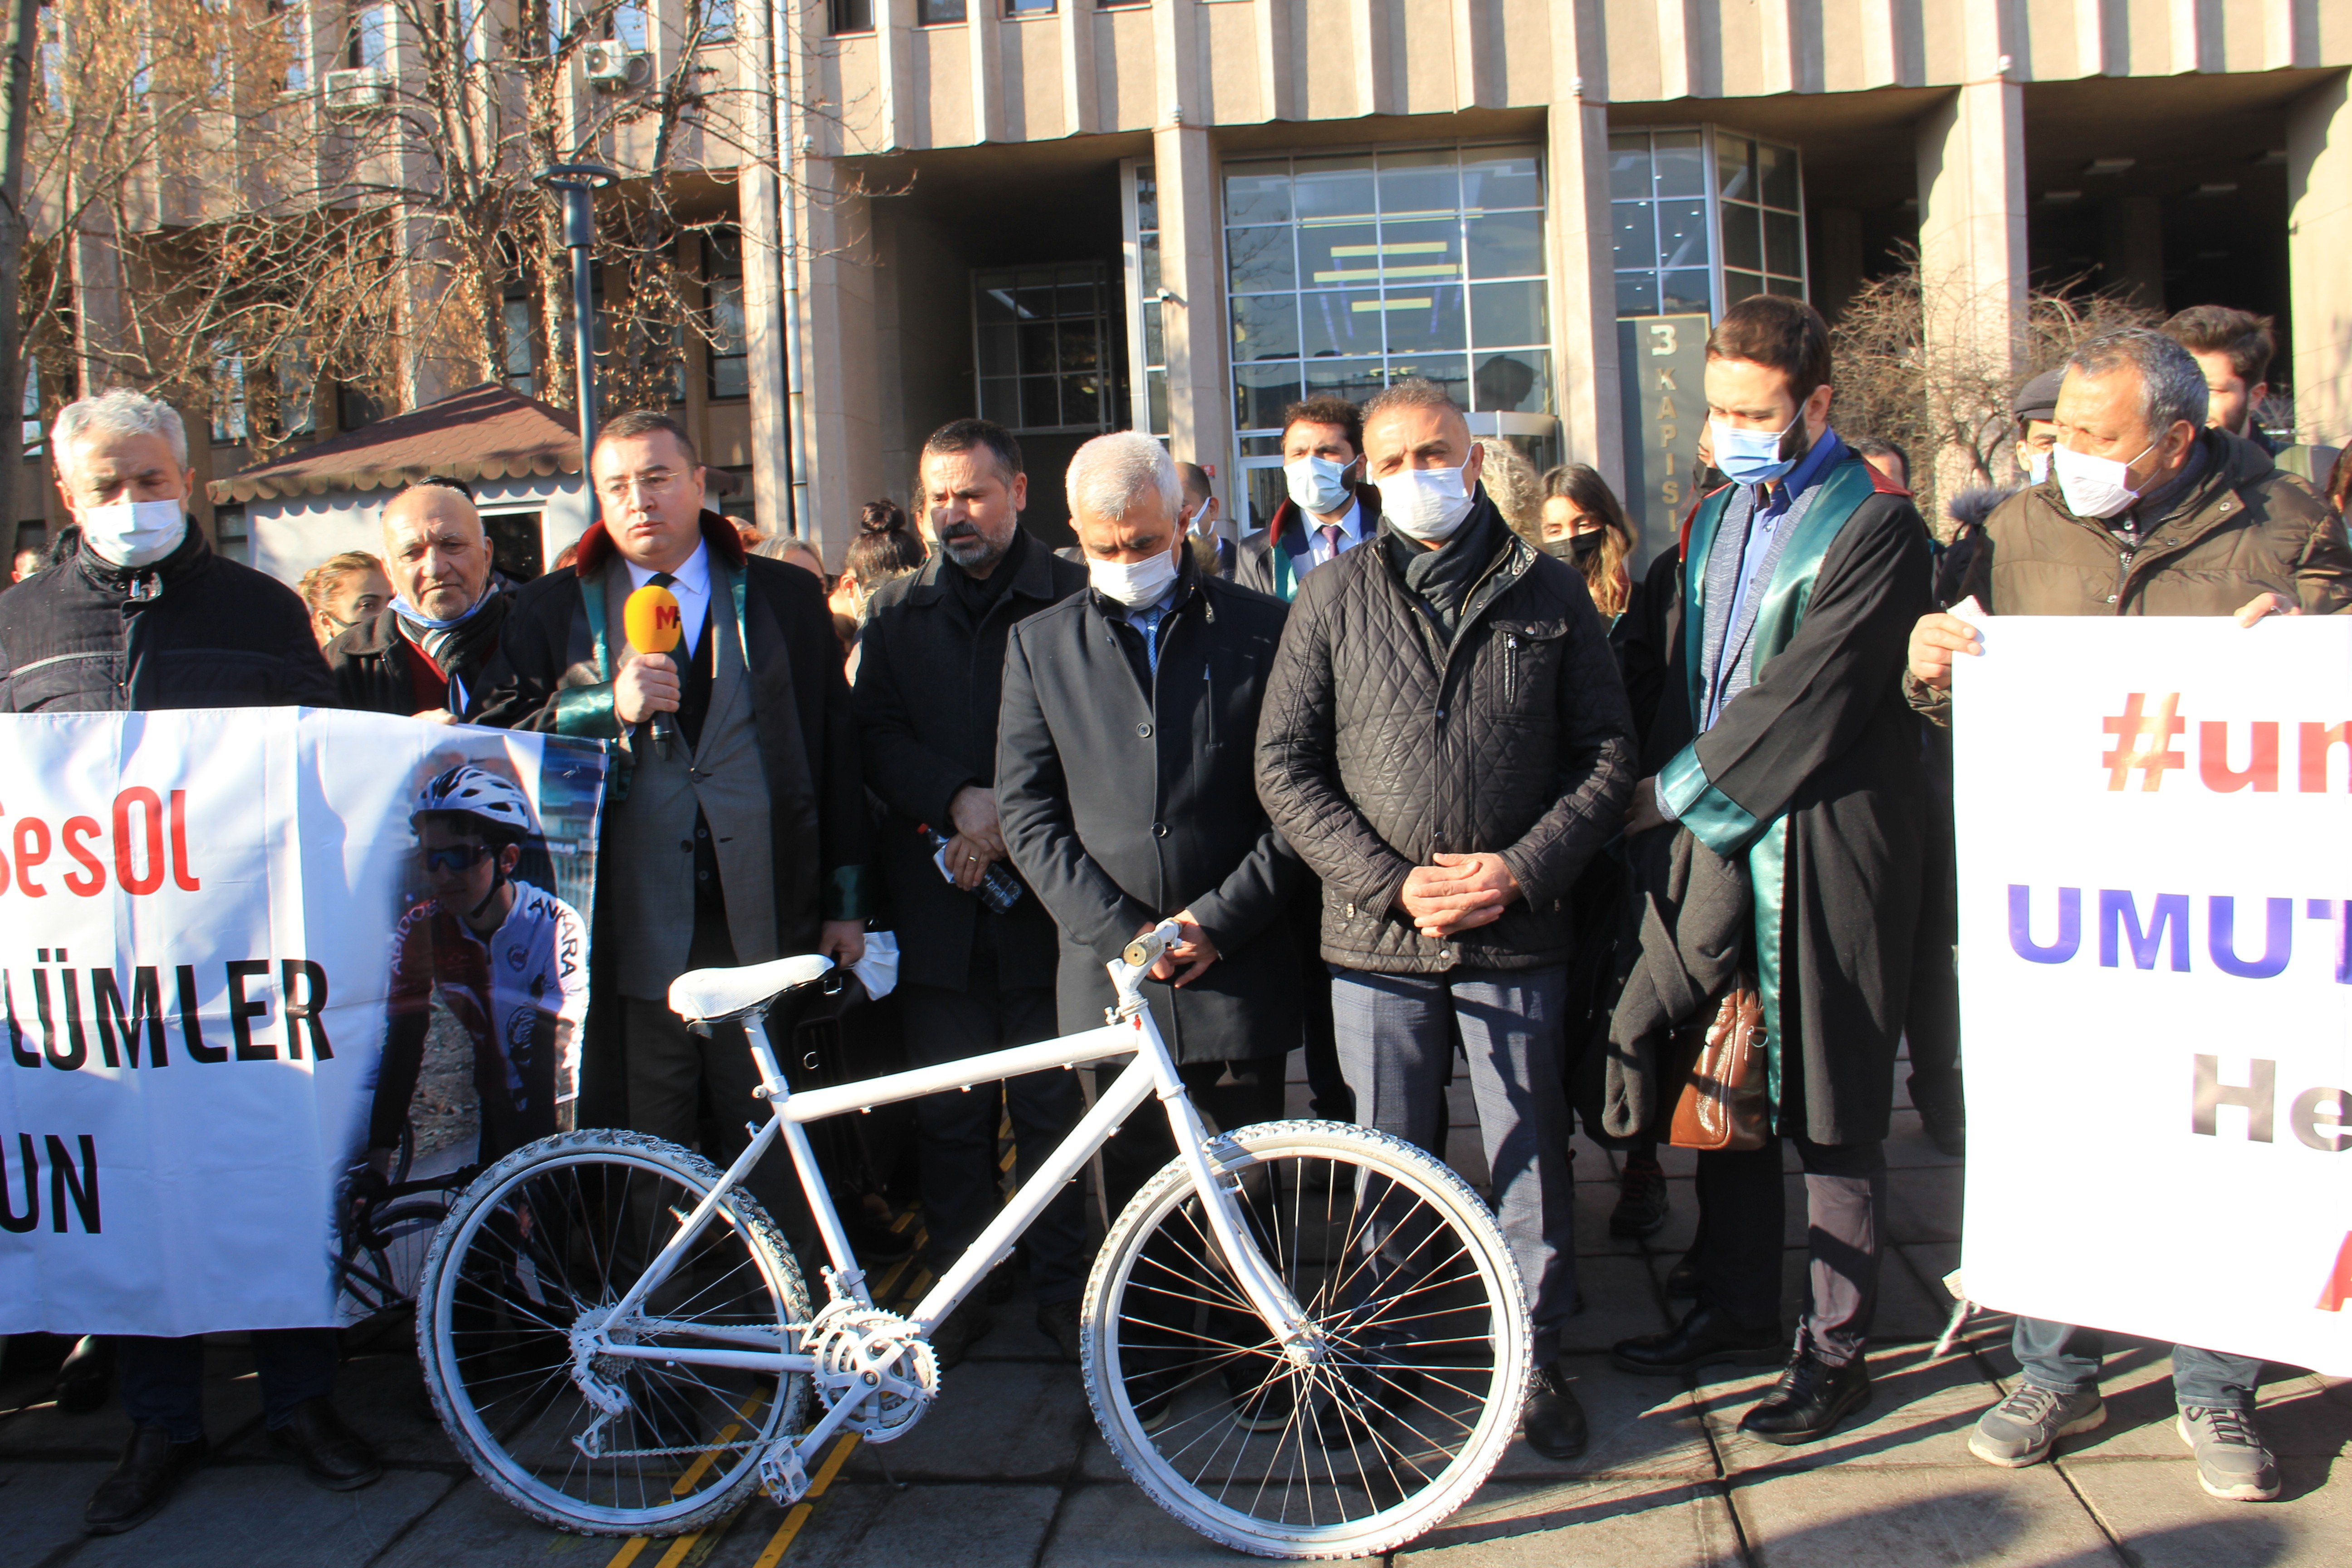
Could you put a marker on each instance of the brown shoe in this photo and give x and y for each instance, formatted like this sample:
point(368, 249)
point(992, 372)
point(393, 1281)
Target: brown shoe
point(152, 1469)
point(332, 1455)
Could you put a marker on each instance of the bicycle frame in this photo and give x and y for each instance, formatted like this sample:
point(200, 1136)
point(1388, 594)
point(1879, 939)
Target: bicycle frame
point(1151, 1073)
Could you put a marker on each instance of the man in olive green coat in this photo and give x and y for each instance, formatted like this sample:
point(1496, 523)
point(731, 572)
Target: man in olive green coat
point(2146, 512)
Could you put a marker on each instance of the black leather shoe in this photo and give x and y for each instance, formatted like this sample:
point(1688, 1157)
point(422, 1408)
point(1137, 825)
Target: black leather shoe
point(1375, 1396)
point(87, 1379)
point(1640, 1199)
point(1811, 1399)
point(152, 1467)
point(1552, 1419)
point(1682, 1280)
point(332, 1455)
point(1058, 1322)
point(1706, 1338)
point(874, 1241)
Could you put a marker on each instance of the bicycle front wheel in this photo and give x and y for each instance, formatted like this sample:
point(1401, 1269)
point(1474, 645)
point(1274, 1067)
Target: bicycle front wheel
point(1406, 1275)
point(563, 1227)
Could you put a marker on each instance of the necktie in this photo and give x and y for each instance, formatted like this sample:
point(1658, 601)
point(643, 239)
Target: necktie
point(1330, 532)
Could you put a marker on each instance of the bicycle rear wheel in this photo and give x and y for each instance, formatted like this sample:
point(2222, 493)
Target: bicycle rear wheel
point(563, 1227)
point(1406, 1273)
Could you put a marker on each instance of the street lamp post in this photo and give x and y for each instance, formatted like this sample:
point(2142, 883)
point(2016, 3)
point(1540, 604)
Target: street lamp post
point(578, 183)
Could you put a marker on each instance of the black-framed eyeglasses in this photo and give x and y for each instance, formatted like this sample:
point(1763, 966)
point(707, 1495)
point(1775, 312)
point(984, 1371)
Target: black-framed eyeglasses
point(456, 857)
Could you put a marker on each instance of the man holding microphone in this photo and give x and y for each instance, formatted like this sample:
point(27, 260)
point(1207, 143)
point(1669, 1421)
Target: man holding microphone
point(738, 835)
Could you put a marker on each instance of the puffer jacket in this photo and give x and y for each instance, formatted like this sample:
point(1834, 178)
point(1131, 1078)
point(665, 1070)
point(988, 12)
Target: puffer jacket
point(1374, 752)
point(193, 630)
point(2247, 527)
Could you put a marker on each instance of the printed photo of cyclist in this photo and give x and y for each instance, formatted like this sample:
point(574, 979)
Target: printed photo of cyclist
point(505, 959)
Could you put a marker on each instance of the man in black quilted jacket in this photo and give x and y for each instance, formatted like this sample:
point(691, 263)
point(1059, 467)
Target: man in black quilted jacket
point(1445, 741)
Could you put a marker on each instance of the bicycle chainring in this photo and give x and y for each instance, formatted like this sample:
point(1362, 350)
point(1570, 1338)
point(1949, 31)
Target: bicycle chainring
point(878, 1360)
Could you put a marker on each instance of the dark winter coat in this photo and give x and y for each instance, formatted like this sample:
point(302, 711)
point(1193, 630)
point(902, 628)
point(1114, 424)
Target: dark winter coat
point(1379, 747)
point(193, 630)
point(928, 681)
point(1818, 762)
point(556, 654)
point(1127, 797)
point(371, 662)
point(1255, 567)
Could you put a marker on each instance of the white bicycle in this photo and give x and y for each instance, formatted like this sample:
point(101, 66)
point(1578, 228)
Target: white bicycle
point(1304, 1340)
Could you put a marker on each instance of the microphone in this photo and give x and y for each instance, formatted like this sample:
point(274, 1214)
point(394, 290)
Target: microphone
point(651, 622)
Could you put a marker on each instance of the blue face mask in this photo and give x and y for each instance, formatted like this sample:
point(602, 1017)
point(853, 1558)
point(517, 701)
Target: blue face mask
point(1752, 457)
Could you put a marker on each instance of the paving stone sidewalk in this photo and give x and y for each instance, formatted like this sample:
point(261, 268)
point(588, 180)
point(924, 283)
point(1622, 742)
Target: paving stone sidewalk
point(1009, 1469)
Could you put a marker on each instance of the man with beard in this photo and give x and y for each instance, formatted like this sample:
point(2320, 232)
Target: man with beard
point(426, 652)
point(977, 974)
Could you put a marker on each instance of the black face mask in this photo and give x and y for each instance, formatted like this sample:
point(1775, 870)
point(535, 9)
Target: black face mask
point(1576, 549)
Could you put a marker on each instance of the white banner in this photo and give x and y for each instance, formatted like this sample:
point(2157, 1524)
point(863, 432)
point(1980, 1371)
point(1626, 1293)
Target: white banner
point(203, 917)
point(2155, 975)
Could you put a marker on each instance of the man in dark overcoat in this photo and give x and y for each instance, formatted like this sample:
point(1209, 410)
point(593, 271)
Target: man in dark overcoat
point(1801, 582)
point(971, 979)
point(1128, 787)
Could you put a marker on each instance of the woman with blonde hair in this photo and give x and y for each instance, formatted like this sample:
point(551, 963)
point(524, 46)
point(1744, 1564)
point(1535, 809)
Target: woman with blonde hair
point(342, 591)
point(1584, 525)
point(1512, 485)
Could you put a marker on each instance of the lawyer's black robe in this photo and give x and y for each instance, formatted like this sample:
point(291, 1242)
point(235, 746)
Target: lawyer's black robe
point(1813, 774)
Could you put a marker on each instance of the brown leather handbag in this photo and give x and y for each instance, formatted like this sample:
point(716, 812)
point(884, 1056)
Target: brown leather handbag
point(1722, 1106)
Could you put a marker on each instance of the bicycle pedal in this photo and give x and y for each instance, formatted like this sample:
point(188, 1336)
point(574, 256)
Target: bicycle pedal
point(781, 1475)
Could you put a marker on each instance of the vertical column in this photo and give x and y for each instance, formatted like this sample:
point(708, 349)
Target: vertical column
point(840, 356)
point(759, 208)
point(1972, 273)
point(1583, 287)
point(1200, 407)
point(2319, 236)
point(1193, 319)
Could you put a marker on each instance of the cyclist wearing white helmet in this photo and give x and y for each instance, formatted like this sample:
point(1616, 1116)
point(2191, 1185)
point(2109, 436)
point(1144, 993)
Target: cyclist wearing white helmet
point(507, 959)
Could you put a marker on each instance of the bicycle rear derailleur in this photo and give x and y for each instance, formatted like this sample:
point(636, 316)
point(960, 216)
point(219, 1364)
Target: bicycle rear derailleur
point(875, 1359)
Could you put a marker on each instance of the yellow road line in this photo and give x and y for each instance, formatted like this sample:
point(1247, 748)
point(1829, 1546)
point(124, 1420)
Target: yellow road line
point(628, 1552)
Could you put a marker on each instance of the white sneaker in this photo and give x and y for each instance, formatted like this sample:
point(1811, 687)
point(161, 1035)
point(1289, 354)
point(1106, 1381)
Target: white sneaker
point(2232, 1462)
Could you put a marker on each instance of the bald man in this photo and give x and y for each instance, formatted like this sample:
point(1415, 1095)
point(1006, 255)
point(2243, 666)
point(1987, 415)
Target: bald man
point(426, 654)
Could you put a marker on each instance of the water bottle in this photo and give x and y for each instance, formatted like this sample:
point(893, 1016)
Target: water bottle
point(999, 890)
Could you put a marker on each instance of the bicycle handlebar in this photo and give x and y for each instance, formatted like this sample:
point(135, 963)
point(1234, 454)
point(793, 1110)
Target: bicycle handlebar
point(1152, 946)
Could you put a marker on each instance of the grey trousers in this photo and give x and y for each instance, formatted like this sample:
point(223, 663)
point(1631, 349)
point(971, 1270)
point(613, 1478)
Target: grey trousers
point(1742, 1202)
point(1396, 1036)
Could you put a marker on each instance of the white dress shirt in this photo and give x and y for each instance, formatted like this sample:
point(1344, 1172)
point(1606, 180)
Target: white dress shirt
point(690, 585)
point(1351, 534)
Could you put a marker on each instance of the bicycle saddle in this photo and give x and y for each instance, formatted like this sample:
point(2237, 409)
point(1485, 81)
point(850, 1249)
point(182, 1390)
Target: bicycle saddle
point(718, 996)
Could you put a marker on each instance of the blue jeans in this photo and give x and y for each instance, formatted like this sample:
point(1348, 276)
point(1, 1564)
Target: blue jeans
point(162, 1381)
point(2065, 1360)
point(1396, 1036)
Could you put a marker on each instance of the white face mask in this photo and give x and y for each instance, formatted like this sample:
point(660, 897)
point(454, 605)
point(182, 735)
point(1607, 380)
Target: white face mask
point(1426, 504)
point(135, 532)
point(1317, 484)
point(2095, 487)
point(1132, 583)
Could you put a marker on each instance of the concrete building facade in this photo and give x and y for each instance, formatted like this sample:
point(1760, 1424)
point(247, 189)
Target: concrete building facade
point(1177, 215)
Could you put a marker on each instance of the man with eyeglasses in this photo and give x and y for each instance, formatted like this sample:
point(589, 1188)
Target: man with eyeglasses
point(734, 831)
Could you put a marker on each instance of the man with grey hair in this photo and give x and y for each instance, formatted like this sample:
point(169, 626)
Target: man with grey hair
point(427, 654)
point(2147, 512)
point(145, 617)
point(1446, 743)
point(1122, 809)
